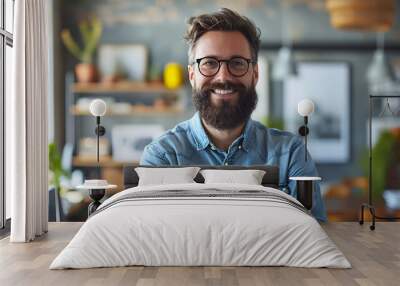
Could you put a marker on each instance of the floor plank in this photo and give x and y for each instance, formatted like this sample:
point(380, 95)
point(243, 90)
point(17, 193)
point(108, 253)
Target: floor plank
point(374, 255)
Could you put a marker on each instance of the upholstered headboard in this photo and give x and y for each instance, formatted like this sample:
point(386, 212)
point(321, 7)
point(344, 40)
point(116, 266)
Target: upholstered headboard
point(270, 179)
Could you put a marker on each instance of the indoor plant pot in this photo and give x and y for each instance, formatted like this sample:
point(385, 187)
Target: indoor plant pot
point(85, 72)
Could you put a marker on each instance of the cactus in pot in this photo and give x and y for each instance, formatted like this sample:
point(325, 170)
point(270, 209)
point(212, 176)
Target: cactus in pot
point(90, 31)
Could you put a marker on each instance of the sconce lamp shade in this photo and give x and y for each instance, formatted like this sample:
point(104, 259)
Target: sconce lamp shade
point(98, 107)
point(365, 15)
point(284, 66)
point(378, 70)
point(305, 107)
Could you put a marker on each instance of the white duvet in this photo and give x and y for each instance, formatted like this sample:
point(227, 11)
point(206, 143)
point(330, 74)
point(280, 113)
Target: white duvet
point(183, 231)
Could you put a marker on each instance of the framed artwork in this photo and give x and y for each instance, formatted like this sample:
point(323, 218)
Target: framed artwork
point(129, 141)
point(262, 88)
point(328, 85)
point(123, 61)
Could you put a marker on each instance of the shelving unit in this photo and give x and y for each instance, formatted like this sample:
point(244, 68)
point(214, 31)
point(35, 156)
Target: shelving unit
point(135, 110)
point(122, 86)
point(135, 103)
point(105, 161)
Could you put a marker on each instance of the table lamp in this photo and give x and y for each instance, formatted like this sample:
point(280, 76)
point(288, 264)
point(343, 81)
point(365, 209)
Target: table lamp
point(305, 185)
point(97, 187)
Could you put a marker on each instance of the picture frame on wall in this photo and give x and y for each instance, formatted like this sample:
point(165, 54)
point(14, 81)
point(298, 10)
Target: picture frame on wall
point(328, 85)
point(129, 140)
point(123, 62)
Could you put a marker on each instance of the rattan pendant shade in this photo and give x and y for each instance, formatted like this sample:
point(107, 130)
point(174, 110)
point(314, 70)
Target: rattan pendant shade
point(365, 15)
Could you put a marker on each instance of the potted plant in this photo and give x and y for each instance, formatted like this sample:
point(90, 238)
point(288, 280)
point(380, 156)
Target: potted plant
point(56, 172)
point(383, 154)
point(90, 31)
point(55, 166)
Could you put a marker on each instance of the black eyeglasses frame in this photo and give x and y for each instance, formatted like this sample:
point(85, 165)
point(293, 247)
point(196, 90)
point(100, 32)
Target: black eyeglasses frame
point(249, 61)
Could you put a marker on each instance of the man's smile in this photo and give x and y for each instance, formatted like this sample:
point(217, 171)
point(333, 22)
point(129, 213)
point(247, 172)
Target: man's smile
point(223, 93)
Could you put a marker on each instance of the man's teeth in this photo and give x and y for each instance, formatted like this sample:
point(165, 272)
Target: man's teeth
point(223, 91)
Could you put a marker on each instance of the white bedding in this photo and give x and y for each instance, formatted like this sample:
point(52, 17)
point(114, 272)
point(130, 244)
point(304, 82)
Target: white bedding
point(190, 230)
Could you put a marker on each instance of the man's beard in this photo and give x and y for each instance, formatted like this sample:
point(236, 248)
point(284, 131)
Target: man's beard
point(227, 115)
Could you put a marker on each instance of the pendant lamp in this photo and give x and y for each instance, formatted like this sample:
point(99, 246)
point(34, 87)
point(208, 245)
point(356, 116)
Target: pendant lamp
point(378, 73)
point(364, 15)
point(285, 65)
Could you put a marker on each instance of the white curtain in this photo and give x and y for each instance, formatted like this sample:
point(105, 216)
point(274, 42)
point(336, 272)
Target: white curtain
point(26, 123)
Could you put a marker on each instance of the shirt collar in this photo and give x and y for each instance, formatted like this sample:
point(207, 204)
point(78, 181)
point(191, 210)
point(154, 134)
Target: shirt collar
point(202, 140)
point(199, 134)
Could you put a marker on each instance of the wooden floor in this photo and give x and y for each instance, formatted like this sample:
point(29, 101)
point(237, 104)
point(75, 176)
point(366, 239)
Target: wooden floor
point(374, 255)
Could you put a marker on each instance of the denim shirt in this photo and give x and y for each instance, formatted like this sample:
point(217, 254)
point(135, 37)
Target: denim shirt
point(188, 144)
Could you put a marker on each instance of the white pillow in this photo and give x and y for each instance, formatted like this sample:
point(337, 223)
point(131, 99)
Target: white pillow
point(248, 177)
point(163, 176)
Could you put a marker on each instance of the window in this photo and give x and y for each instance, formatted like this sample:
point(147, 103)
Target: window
point(6, 44)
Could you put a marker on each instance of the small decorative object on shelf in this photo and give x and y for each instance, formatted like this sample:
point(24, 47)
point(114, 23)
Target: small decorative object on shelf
point(173, 75)
point(122, 62)
point(370, 205)
point(305, 185)
point(97, 188)
point(87, 147)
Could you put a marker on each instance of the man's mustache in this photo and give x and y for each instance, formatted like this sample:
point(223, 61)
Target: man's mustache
point(223, 85)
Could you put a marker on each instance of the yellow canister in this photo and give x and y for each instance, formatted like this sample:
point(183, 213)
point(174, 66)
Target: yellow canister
point(173, 75)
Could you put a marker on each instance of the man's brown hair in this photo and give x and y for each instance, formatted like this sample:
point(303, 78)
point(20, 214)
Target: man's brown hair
point(222, 20)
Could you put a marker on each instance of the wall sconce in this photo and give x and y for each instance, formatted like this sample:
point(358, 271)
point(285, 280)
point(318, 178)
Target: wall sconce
point(305, 185)
point(97, 187)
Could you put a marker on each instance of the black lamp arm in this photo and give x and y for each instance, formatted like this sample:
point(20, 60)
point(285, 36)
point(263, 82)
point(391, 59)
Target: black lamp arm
point(100, 131)
point(303, 131)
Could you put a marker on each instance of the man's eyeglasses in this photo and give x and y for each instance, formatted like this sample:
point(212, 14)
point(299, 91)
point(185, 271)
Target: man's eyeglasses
point(237, 66)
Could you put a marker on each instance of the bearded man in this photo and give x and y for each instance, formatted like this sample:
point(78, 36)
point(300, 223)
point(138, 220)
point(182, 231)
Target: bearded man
point(223, 72)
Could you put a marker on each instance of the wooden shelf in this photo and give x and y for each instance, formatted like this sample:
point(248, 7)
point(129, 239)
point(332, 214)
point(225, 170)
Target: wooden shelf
point(135, 110)
point(122, 87)
point(105, 161)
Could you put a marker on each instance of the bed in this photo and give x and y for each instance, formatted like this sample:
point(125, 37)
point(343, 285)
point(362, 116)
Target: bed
point(201, 224)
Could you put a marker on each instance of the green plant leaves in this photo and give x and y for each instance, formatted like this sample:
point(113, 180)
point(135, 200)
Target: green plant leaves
point(381, 161)
point(90, 31)
point(55, 166)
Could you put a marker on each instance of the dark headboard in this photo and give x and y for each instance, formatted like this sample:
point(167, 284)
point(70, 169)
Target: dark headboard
point(270, 179)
